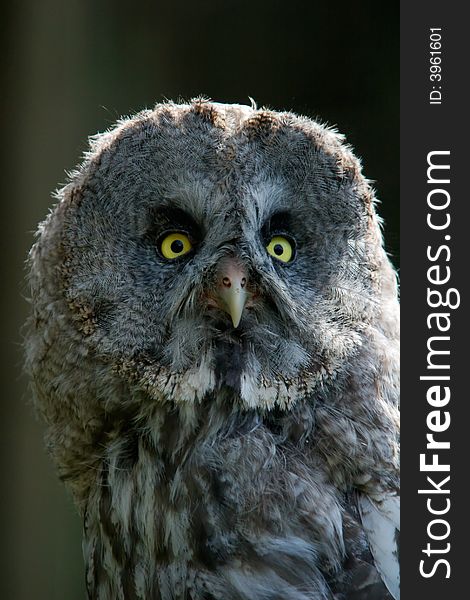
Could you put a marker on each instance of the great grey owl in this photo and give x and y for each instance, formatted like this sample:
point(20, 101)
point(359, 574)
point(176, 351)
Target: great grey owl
point(214, 348)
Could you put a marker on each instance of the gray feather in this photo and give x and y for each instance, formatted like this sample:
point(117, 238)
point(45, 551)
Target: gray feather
point(381, 522)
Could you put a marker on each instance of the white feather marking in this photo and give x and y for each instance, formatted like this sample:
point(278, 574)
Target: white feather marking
point(381, 522)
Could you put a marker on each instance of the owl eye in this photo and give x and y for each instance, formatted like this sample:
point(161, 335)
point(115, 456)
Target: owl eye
point(175, 244)
point(281, 248)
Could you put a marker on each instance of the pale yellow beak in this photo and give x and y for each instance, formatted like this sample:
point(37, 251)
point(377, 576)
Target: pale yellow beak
point(231, 289)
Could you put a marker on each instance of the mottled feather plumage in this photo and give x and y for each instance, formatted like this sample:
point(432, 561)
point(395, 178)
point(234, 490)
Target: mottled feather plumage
point(211, 462)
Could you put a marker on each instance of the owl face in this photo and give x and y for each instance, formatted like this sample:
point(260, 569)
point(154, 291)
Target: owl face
point(207, 246)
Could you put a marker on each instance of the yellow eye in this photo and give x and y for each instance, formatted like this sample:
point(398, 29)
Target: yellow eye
point(280, 248)
point(175, 245)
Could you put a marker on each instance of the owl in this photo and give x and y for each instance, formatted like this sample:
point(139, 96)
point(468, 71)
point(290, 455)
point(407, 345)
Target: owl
point(213, 345)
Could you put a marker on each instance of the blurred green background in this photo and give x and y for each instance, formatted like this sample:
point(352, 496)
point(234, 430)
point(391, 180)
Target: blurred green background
point(69, 69)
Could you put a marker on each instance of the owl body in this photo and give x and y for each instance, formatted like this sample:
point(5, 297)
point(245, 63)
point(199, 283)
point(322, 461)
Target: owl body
point(214, 347)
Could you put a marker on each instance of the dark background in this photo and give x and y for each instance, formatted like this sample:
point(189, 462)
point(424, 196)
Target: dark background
point(70, 69)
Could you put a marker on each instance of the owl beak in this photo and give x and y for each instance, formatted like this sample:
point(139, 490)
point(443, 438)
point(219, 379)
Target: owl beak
point(231, 289)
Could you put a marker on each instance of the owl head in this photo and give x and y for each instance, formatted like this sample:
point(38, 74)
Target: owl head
point(204, 246)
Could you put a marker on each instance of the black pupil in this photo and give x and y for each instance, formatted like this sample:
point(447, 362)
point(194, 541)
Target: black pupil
point(177, 246)
point(278, 249)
